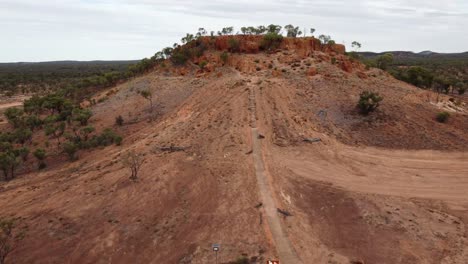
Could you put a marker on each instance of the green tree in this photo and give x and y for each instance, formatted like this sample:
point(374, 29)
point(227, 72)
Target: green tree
point(82, 115)
point(55, 130)
point(356, 46)
point(201, 32)
point(233, 45)
point(312, 31)
point(384, 61)
point(8, 164)
point(22, 152)
point(325, 39)
point(40, 155)
point(226, 31)
point(274, 29)
point(271, 41)
point(22, 135)
point(443, 117)
point(292, 31)
point(14, 116)
point(71, 149)
point(86, 131)
point(188, 38)
point(224, 57)
point(461, 88)
point(148, 96)
point(368, 102)
point(33, 121)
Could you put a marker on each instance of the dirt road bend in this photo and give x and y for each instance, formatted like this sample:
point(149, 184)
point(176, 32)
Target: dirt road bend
point(283, 245)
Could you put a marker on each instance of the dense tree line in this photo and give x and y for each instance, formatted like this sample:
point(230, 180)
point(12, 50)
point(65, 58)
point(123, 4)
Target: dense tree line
point(59, 120)
point(444, 73)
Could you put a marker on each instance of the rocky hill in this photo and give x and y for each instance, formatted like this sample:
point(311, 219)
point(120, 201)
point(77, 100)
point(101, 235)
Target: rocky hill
point(262, 150)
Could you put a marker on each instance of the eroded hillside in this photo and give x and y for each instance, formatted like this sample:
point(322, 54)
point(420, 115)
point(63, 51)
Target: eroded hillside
point(229, 160)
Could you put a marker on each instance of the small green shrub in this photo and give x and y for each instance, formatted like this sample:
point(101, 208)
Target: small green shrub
point(40, 155)
point(71, 149)
point(233, 45)
point(368, 102)
point(203, 64)
point(224, 57)
point(271, 41)
point(443, 117)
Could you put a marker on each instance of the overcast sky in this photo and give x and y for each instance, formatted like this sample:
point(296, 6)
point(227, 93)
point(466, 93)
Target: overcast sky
point(44, 30)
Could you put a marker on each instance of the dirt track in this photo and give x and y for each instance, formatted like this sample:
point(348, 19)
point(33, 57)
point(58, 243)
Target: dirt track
point(283, 245)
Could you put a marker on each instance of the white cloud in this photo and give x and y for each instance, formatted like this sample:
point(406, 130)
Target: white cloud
point(129, 29)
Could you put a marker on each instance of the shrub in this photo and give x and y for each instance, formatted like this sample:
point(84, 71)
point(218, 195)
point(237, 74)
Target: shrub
point(224, 57)
point(82, 115)
point(271, 41)
point(133, 161)
point(233, 45)
point(8, 164)
point(40, 155)
point(368, 102)
point(71, 149)
point(14, 116)
point(462, 90)
point(203, 64)
point(107, 138)
point(119, 120)
point(180, 57)
point(443, 117)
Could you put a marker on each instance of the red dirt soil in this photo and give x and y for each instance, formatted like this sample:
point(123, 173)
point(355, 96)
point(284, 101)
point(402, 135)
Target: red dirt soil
point(386, 188)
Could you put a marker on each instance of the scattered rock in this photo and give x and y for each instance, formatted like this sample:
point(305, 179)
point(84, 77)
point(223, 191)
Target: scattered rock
point(312, 140)
point(283, 212)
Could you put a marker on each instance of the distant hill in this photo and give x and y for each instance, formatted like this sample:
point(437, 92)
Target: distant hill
point(408, 57)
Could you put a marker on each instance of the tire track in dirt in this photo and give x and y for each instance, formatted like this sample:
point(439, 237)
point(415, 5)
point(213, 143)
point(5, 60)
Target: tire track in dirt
point(283, 245)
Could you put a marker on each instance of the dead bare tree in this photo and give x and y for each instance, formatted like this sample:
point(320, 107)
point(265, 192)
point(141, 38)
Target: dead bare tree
point(133, 161)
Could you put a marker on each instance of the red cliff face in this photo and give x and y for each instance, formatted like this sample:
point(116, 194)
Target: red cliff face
point(252, 44)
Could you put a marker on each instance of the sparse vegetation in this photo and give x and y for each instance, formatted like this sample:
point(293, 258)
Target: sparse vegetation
point(234, 45)
point(148, 96)
point(56, 117)
point(203, 65)
point(292, 31)
point(443, 117)
point(224, 57)
point(71, 149)
point(384, 61)
point(40, 155)
point(119, 120)
point(133, 161)
point(271, 41)
point(7, 238)
point(368, 102)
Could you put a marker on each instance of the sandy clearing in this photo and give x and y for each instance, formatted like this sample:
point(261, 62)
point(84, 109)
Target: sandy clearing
point(412, 174)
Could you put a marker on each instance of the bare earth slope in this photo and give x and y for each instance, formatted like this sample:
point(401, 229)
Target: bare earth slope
point(387, 188)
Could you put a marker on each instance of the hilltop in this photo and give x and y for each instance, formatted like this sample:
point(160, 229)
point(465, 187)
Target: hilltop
point(254, 143)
